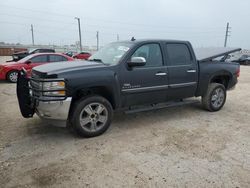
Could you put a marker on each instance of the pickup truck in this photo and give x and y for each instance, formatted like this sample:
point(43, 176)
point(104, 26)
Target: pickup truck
point(128, 76)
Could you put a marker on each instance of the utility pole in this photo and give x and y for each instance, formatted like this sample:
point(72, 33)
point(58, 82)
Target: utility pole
point(32, 34)
point(97, 40)
point(227, 34)
point(79, 29)
point(117, 37)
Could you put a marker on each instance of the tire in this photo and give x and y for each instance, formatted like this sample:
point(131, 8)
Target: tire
point(215, 97)
point(12, 76)
point(91, 116)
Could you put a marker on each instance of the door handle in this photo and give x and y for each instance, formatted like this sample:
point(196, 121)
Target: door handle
point(191, 70)
point(161, 74)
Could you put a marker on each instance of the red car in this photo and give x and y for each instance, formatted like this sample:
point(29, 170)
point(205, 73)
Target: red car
point(9, 71)
point(82, 55)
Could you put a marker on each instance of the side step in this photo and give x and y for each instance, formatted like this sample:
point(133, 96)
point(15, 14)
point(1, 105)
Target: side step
point(160, 106)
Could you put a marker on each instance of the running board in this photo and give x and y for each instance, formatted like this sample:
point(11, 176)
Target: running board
point(160, 106)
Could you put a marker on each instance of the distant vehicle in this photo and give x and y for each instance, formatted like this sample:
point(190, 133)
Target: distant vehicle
point(9, 71)
point(82, 55)
point(70, 53)
point(243, 60)
point(19, 55)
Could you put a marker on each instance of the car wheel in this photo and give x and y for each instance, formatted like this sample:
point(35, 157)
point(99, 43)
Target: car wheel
point(91, 116)
point(12, 76)
point(215, 97)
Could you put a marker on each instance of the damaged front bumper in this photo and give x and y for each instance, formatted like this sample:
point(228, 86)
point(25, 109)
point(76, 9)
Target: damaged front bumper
point(32, 100)
point(57, 110)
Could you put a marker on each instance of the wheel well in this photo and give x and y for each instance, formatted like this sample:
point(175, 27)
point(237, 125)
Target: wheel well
point(101, 91)
point(224, 80)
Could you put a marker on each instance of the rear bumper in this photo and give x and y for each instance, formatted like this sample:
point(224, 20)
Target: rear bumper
point(53, 110)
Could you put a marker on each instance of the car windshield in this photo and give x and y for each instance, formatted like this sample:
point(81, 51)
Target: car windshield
point(32, 51)
point(111, 53)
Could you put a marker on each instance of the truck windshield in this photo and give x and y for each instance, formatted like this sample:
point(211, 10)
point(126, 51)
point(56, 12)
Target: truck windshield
point(111, 53)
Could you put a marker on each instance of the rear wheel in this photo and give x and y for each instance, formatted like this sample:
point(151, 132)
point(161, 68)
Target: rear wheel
point(12, 76)
point(215, 97)
point(91, 116)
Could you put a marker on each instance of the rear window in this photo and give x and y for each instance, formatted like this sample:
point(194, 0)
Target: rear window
point(178, 54)
point(56, 58)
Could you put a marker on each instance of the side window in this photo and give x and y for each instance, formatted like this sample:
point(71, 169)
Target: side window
point(56, 58)
point(178, 54)
point(39, 59)
point(152, 54)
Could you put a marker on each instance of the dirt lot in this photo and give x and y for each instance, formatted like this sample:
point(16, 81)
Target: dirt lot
point(177, 147)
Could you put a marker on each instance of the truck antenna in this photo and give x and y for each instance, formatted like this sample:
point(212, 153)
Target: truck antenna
point(133, 39)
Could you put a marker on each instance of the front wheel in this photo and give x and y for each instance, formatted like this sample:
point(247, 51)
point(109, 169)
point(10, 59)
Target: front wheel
point(92, 116)
point(215, 97)
point(12, 76)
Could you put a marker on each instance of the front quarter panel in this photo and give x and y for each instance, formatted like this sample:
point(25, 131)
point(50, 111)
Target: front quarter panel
point(85, 79)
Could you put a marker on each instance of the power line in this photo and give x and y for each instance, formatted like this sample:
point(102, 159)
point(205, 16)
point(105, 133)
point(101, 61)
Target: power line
point(104, 20)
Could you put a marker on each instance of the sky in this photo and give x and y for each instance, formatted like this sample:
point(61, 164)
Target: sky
point(202, 22)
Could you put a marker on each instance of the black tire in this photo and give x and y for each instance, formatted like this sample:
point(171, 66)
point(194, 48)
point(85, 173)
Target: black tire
point(12, 76)
point(209, 99)
point(79, 111)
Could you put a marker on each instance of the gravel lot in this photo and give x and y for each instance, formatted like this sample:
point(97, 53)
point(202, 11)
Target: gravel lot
point(176, 147)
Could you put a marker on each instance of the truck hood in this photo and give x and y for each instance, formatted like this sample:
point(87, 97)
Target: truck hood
point(61, 67)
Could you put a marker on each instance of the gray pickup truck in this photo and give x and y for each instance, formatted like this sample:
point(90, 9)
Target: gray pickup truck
point(128, 76)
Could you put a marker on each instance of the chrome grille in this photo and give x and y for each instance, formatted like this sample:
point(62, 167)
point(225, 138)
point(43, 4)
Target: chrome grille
point(35, 87)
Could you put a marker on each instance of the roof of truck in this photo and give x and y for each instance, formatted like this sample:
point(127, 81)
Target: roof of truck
point(202, 54)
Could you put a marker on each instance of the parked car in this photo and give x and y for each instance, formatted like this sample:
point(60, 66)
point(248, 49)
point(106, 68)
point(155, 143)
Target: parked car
point(243, 60)
point(82, 55)
point(19, 55)
point(129, 76)
point(9, 71)
point(70, 53)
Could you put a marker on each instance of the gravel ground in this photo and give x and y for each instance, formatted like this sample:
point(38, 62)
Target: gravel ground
point(176, 147)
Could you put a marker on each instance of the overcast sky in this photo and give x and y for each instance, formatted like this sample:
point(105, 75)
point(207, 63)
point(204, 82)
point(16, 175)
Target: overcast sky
point(203, 22)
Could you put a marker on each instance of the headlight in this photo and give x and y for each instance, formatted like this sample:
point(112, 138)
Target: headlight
point(55, 88)
point(1, 68)
point(53, 85)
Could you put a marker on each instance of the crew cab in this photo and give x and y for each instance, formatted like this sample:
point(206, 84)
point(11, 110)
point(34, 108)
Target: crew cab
point(127, 76)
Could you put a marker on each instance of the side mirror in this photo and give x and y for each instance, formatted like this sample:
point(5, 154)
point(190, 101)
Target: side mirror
point(137, 61)
point(28, 62)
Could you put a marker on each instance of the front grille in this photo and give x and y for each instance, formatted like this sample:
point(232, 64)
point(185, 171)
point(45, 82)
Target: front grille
point(37, 91)
point(35, 88)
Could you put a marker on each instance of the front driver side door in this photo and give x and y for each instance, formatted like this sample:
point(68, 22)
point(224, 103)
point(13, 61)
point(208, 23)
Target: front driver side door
point(145, 84)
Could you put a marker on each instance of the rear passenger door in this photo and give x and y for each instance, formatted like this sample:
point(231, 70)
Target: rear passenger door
point(56, 58)
point(182, 70)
